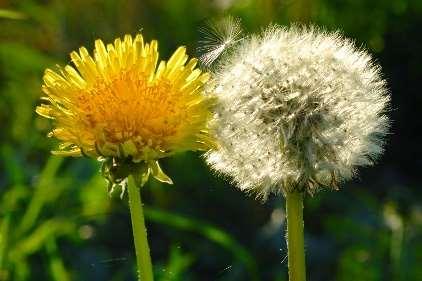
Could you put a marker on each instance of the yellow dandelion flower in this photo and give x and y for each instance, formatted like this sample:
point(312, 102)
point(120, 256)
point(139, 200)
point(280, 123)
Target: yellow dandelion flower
point(119, 105)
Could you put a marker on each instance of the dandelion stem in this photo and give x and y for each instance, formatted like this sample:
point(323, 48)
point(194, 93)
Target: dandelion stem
point(295, 237)
point(143, 257)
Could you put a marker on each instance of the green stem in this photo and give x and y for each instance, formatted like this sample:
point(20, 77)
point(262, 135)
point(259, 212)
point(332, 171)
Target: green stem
point(295, 237)
point(143, 257)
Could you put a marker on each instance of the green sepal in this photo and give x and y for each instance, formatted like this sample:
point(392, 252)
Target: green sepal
point(141, 174)
point(115, 171)
point(106, 172)
point(157, 173)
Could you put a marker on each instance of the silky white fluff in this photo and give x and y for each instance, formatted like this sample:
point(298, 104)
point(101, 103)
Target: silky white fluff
point(298, 108)
point(217, 38)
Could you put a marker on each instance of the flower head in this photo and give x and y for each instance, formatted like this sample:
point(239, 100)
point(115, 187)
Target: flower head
point(299, 108)
point(118, 105)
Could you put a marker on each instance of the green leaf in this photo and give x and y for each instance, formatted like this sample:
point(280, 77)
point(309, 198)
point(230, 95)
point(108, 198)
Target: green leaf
point(13, 15)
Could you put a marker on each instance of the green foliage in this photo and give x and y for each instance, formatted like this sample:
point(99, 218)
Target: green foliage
point(177, 266)
point(9, 14)
point(209, 232)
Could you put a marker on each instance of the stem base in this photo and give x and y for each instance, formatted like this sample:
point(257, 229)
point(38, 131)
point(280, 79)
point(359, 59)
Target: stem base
point(295, 236)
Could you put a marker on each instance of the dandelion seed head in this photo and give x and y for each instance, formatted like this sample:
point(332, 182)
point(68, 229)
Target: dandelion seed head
point(299, 109)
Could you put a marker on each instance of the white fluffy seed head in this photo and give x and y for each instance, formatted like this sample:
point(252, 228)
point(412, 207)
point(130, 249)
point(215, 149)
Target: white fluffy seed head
point(299, 108)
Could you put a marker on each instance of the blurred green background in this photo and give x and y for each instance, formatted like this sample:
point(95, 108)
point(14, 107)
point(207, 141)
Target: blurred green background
point(57, 221)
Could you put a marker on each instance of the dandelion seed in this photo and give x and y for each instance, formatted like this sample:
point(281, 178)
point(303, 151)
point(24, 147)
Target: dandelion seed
point(218, 37)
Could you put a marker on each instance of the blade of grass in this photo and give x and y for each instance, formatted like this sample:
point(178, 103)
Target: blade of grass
point(57, 269)
point(38, 199)
point(209, 231)
point(37, 239)
point(177, 265)
point(4, 230)
point(10, 14)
